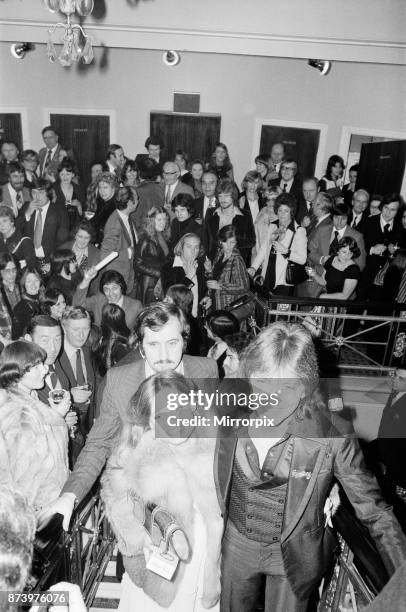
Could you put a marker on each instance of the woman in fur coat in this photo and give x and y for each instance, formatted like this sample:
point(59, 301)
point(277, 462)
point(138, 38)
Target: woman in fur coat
point(151, 471)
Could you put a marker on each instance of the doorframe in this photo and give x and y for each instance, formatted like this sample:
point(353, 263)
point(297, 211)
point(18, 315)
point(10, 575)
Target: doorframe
point(47, 112)
point(22, 111)
point(321, 127)
point(348, 131)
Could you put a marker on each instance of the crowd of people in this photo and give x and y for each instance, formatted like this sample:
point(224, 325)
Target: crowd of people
point(86, 353)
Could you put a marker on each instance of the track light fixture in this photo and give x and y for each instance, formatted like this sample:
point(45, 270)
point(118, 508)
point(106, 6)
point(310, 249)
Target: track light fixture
point(171, 58)
point(18, 50)
point(323, 66)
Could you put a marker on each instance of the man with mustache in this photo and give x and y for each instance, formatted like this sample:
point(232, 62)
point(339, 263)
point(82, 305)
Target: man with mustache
point(162, 333)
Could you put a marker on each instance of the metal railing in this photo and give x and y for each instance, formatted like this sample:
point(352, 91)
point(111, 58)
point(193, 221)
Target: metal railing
point(80, 556)
point(362, 339)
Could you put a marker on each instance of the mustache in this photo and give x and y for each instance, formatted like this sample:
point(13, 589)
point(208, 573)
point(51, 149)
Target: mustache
point(163, 362)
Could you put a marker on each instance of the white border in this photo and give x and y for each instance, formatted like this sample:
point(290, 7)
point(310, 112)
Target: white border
point(322, 127)
point(47, 112)
point(347, 131)
point(22, 111)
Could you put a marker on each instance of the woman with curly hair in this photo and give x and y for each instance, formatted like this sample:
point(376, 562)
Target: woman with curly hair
point(32, 290)
point(151, 253)
point(332, 181)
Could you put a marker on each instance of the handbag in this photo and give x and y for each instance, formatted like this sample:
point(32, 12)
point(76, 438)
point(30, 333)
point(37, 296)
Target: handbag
point(243, 307)
point(295, 272)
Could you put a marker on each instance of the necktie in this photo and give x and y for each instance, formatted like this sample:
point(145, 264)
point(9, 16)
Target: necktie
point(386, 231)
point(80, 376)
point(334, 243)
point(19, 200)
point(53, 376)
point(38, 229)
point(354, 222)
point(285, 186)
point(132, 233)
point(168, 197)
point(47, 160)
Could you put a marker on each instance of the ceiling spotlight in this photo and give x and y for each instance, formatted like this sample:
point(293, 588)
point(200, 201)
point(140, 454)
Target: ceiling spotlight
point(323, 66)
point(171, 58)
point(18, 50)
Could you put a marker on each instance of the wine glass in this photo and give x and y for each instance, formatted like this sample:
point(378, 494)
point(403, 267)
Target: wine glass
point(310, 272)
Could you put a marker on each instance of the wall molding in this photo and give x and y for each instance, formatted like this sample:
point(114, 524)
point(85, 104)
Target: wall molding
point(245, 43)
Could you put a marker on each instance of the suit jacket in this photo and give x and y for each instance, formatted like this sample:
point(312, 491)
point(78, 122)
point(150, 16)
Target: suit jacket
point(43, 393)
point(361, 225)
point(117, 238)
point(319, 245)
point(56, 227)
point(199, 207)
point(6, 197)
point(180, 188)
point(53, 164)
point(121, 384)
point(301, 211)
point(244, 228)
point(64, 371)
point(324, 448)
point(295, 190)
point(95, 304)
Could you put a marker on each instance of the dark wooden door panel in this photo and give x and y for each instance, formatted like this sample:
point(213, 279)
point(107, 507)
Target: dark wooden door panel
point(382, 166)
point(195, 134)
point(301, 144)
point(87, 136)
point(10, 128)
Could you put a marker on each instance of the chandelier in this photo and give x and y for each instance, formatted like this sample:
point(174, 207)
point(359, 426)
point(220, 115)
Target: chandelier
point(76, 44)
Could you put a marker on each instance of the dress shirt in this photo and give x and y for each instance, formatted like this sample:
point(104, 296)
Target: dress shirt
point(53, 151)
point(340, 233)
point(40, 251)
point(254, 208)
point(383, 223)
point(288, 185)
point(356, 219)
point(13, 197)
point(207, 203)
point(71, 353)
point(126, 222)
point(169, 189)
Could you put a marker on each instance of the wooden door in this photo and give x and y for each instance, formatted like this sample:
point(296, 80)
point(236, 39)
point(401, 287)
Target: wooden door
point(301, 144)
point(195, 134)
point(10, 128)
point(382, 166)
point(87, 136)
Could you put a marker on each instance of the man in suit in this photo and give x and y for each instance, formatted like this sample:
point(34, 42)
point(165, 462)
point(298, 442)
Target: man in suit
point(381, 235)
point(359, 214)
point(288, 181)
point(44, 221)
point(48, 156)
point(30, 162)
point(208, 199)
point(326, 236)
point(115, 160)
point(14, 194)
point(162, 332)
point(304, 212)
point(273, 482)
point(120, 235)
point(113, 290)
point(47, 333)
point(9, 153)
point(76, 364)
point(277, 157)
point(154, 146)
point(172, 186)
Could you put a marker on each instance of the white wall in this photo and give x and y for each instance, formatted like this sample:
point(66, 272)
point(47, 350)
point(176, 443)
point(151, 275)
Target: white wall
point(240, 88)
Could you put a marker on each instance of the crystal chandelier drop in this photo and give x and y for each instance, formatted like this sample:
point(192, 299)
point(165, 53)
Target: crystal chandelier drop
point(76, 44)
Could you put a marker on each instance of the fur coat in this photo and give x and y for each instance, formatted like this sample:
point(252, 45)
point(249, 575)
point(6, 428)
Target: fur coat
point(33, 448)
point(176, 475)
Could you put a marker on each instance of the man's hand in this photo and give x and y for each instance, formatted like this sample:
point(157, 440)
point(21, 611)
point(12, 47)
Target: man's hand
point(63, 505)
point(71, 419)
point(80, 395)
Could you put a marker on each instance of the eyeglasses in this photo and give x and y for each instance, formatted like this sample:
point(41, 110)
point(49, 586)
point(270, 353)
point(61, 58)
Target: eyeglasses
point(167, 173)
